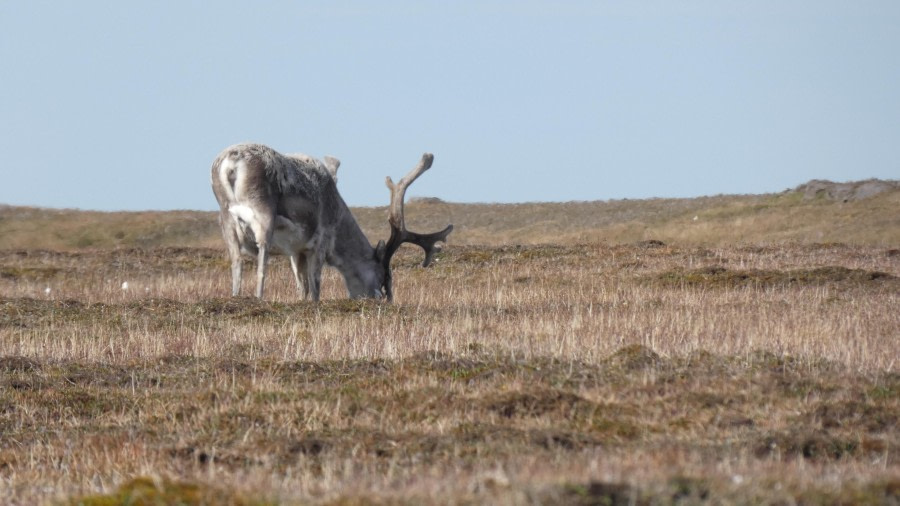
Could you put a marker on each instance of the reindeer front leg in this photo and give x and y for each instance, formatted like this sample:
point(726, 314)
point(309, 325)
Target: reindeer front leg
point(236, 275)
point(261, 260)
point(314, 264)
point(263, 230)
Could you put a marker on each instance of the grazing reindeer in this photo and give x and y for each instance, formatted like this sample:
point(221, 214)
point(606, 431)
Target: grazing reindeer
point(274, 204)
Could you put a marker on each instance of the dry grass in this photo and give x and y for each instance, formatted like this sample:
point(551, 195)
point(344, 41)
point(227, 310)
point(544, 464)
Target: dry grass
point(709, 221)
point(636, 373)
point(748, 356)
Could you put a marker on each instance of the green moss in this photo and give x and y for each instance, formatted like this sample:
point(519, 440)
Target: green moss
point(607, 427)
point(29, 273)
point(473, 256)
point(144, 491)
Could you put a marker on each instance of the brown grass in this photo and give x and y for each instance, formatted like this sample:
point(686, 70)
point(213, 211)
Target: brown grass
point(637, 373)
point(581, 353)
point(708, 221)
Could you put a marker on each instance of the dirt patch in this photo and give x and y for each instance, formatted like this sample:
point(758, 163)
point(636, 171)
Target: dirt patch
point(816, 445)
point(18, 364)
point(464, 442)
point(203, 457)
point(855, 415)
point(481, 255)
point(634, 358)
point(537, 403)
point(28, 273)
point(160, 313)
point(679, 490)
point(593, 493)
point(27, 312)
point(650, 244)
point(165, 491)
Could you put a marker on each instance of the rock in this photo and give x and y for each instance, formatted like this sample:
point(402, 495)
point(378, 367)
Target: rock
point(846, 192)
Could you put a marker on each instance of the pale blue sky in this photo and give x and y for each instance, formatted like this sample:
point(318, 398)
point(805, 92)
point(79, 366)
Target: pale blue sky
point(123, 105)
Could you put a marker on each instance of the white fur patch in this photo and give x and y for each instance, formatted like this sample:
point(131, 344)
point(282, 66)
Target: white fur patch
point(225, 168)
point(242, 213)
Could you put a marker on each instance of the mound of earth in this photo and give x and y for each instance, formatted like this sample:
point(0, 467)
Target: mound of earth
point(845, 192)
point(426, 200)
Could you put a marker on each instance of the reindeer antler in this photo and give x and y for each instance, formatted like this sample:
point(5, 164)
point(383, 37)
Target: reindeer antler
point(399, 233)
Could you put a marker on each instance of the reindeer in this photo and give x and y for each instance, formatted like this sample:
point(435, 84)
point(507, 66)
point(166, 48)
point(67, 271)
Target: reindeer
point(274, 204)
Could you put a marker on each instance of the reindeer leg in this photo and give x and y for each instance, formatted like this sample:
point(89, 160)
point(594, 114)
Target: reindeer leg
point(263, 230)
point(261, 260)
point(314, 264)
point(236, 274)
point(233, 244)
point(298, 265)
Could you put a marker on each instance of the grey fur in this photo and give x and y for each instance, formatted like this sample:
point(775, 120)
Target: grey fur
point(276, 204)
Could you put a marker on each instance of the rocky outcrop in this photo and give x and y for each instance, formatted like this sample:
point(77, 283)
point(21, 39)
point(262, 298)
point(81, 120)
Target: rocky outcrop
point(845, 192)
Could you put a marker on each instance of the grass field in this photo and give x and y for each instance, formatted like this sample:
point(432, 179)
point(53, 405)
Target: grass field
point(725, 219)
point(608, 356)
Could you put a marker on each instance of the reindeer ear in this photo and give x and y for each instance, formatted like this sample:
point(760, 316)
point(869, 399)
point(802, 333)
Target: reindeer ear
point(380, 250)
point(332, 164)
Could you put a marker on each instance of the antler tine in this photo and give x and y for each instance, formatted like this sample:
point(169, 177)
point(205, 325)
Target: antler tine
point(399, 234)
point(398, 191)
point(428, 242)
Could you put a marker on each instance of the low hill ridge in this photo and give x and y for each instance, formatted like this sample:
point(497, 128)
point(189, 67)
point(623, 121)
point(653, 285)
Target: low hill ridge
point(862, 212)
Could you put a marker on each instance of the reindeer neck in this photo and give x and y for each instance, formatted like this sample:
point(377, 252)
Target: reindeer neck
point(353, 255)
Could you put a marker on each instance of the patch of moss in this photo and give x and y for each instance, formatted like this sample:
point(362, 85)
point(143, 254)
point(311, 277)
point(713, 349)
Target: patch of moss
point(606, 425)
point(28, 273)
point(650, 244)
point(721, 277)
point(857, 415)
point(26, 312)
point(809, 445)
point(542, 251)
point(143, 491)
point(687, 489)
point(634, 358)
point(536, 403)
point(474, 256)
point(18, 364)
point(595, 493)
point(880, 492)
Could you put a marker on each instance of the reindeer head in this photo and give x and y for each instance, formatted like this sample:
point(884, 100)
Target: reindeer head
point(399, 234)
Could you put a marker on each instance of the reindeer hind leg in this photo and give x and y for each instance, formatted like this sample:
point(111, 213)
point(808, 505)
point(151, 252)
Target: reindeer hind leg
point(230, 231)
point(298, 265)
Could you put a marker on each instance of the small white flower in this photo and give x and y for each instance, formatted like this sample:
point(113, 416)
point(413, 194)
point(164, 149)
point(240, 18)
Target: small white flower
point(125, 285)
point(696, 218)
point(47, 291)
